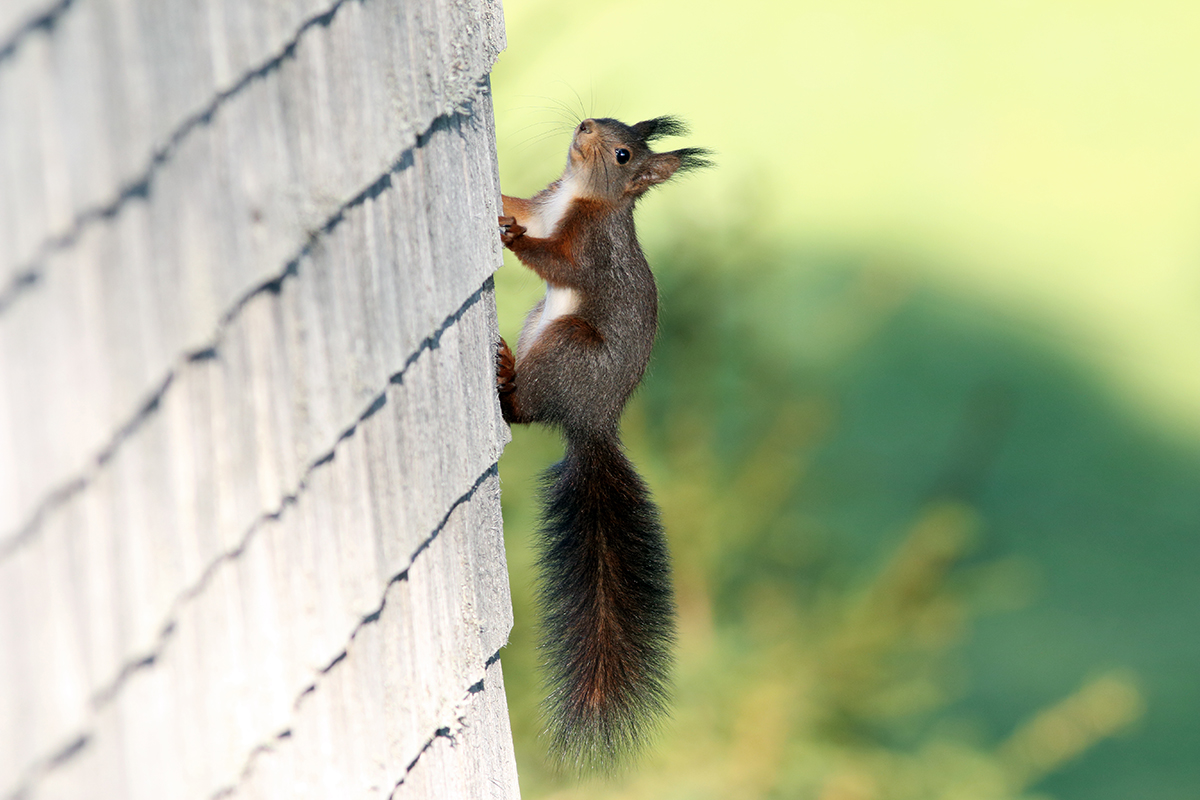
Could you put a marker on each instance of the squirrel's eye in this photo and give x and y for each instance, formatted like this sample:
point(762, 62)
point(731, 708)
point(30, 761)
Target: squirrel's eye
point(622, 155)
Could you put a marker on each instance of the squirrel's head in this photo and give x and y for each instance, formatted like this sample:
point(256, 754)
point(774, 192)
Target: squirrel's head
point(614, 160)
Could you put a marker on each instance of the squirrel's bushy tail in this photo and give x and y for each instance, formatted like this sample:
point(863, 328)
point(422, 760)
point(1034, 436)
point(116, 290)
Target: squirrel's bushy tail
point(609, 616)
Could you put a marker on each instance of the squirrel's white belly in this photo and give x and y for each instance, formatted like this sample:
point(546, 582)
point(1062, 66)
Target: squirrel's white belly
point(550, 209)
point(559, 302)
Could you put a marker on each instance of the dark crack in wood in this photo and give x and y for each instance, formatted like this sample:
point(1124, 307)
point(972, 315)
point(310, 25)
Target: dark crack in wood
point(444, 732)
point(39, 23)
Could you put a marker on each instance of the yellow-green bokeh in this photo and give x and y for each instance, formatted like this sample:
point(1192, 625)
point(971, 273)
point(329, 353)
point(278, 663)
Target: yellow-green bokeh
point(1041, 158)
point(935, 230)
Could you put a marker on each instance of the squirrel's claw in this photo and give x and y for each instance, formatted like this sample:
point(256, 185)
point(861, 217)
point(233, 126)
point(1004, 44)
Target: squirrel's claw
point(506, 368)
point(506, 382)
point(509, 229)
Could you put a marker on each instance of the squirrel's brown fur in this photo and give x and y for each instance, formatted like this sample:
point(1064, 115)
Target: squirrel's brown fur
point(605, 574)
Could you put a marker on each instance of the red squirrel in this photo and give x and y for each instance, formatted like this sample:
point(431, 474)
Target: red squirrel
point(605, 590)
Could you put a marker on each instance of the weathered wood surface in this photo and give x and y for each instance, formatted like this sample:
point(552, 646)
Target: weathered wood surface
point(203, 212)
point(249, 526)
point(18, 17)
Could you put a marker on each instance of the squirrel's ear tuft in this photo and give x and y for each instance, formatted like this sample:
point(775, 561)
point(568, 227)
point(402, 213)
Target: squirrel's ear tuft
point(691, 158)
point(657, 128)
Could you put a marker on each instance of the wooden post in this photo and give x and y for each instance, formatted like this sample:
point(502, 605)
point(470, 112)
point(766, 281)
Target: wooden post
point(250, 537)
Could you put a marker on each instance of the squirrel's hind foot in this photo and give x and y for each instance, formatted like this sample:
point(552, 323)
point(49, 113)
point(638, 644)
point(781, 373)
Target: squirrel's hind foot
point(506, 382)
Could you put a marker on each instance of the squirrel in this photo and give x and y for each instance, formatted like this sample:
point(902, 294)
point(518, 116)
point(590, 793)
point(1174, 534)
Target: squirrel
point(605, 586)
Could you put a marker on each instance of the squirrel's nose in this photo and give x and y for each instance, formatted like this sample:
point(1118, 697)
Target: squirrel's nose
point(586, 126)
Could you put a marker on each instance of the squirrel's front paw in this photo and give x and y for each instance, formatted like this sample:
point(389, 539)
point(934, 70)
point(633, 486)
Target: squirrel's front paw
point(509, 229)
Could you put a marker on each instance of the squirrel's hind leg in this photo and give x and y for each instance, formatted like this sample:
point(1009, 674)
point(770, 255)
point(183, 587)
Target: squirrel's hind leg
point(506, 383)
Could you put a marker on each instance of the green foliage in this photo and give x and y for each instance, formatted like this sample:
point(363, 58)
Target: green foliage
point(794, 681)
point(946, 261)
point(834, 547)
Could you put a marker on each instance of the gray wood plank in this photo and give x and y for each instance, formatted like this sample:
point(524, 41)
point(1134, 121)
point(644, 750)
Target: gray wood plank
point(227, 213)
point(353, 728)
point(470, 757)
point(112, 613)
point(248, 422)
point(20, 19)
point(105, 84)
point(383, 709)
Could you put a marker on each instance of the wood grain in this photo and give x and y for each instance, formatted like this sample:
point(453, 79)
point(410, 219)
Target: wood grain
point(248, 421)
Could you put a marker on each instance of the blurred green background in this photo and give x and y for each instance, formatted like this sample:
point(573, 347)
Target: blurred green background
point(924, 412)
